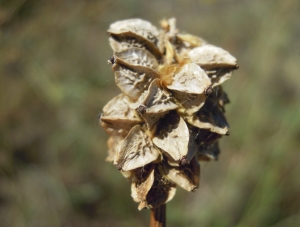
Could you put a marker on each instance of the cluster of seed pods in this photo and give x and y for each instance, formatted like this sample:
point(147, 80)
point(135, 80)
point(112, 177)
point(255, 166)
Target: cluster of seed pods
point(170, 113)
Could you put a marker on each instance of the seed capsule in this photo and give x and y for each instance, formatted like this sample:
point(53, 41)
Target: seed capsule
point(136, 150)
point(172, 137)
point(118, 118)
point(158, 102)
point(135, 33)
point(210, 57)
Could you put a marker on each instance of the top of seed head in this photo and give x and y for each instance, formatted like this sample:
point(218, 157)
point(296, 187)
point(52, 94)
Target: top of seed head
point(171, 110)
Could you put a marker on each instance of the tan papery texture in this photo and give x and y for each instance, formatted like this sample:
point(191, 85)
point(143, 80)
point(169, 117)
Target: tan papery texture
point(170, 114)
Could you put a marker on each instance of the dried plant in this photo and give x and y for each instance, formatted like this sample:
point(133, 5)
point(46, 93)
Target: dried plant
point(170, 114)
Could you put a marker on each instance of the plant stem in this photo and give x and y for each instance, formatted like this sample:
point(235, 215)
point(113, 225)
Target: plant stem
point(158, 216)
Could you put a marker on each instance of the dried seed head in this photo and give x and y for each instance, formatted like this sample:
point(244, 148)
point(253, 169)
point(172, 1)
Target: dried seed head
point(171, 112)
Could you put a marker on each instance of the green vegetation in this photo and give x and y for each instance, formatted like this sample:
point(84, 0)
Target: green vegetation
point(54, 81)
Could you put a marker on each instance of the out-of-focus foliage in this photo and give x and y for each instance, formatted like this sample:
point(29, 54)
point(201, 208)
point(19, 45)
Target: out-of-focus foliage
point(54, 80)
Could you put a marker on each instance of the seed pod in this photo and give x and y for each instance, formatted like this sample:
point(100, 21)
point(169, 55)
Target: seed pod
point(204, 136)
point(220, 97)
point(134, 70)
point(136, 58)
point(120, 44)
point(190, 79)
point(208, 152)
point(211, 57)
point(210, 117)
point(192, 147)
point(219, 76)
point(155, 103)
point(137, 150)
point(113, 144)
point(132, 82)
point(140, 31)
point(118, 118)
point(142, 183)
point(188, 87)
point(162, 191)
point(185, 176)
point(172, 137)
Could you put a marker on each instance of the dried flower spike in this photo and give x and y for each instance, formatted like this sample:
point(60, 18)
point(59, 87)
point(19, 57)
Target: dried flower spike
point(170, 114)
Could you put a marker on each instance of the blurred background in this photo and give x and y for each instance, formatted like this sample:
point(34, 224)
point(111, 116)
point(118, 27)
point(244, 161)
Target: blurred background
point(54, 81)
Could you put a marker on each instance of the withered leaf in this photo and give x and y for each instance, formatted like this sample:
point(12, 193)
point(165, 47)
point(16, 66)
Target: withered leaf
point(136, 150)
point(172, 137)
point(118, 118)
point(185, 176)
point(209, 57)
